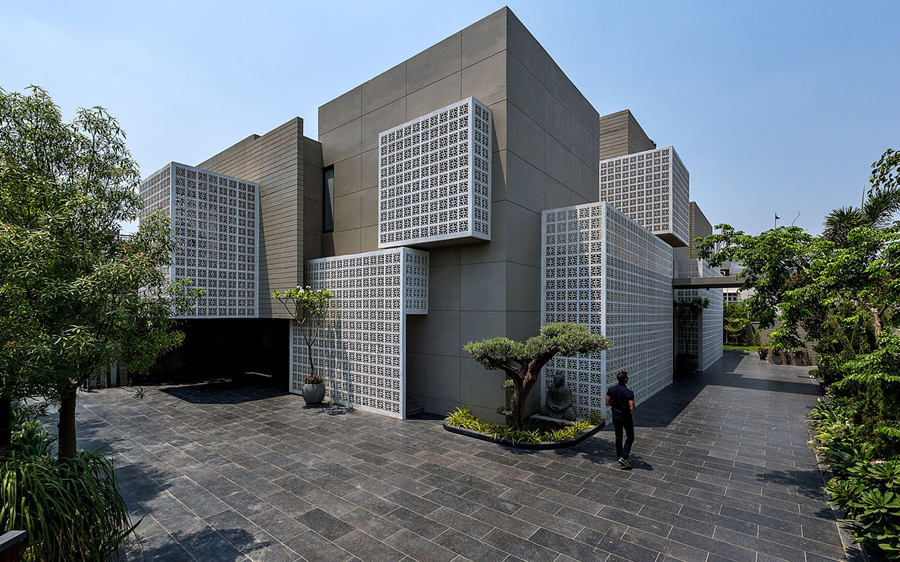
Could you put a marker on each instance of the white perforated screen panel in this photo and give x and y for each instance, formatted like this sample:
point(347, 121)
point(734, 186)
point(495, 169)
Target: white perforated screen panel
point(435, 177)
point(215, 220)
point(651, 187)
point(604, 270)
point(361, 352)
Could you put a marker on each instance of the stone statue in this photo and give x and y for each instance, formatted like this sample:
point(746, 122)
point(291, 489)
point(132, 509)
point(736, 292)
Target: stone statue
point(559, 399)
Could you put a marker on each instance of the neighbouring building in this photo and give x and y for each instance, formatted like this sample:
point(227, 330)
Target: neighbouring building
point(469, 192)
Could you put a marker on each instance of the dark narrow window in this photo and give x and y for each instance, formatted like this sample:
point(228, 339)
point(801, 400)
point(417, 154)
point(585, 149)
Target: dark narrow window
point(328, 200)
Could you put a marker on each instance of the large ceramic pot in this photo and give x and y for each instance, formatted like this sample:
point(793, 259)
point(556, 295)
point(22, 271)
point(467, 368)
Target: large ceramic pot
point(313, 393)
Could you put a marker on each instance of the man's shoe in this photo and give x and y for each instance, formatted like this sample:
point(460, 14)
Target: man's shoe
point(623, 463)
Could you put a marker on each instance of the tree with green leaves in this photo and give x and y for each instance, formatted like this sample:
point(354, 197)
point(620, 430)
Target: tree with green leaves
point(82, 295)
point(308, 308)
point(843, 290)
point(522, 362)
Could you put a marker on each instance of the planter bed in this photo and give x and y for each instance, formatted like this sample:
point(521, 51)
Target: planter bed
point(541, 446)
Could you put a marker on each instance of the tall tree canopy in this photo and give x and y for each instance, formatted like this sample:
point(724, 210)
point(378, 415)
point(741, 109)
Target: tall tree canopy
point(75, 295)
point(843, 290)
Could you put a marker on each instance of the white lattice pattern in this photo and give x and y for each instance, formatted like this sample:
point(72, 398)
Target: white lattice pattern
point(704, 338)
point(713, 331)
point(651, 187)
point(435, 177)
point(605, 271)
point(695, 268)
point(215, 220)
point(361, 352)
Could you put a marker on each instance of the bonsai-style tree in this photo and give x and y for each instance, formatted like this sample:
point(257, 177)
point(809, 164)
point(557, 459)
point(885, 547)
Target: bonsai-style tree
point(308, 308)
point(522, 362)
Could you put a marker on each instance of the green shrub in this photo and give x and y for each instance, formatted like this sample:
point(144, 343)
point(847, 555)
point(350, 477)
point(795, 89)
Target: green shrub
point(533, 432)
point(72, 510)
point(866, 487)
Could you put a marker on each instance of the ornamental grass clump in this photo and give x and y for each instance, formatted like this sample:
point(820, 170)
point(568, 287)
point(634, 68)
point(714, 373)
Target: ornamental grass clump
point(71, 509)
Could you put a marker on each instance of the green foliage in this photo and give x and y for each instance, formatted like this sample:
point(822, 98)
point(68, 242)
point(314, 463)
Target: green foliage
point(843, 290)
point(522, 362)
point(864, 484)
point(308, 307)
point(77, 295)
point(71, 510)
point(532, 432)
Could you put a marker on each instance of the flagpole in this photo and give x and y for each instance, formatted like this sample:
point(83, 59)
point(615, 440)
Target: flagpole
point(776, 220)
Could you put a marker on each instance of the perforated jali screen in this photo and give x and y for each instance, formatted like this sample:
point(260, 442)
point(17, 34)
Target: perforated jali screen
point(361, 352)
point(435, 177)
point(602, 269)
point(215, 219)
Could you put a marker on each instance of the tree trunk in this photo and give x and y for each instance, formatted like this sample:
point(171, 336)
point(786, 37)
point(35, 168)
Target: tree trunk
point(5, 425)
point(516, 403)
point(67, 444)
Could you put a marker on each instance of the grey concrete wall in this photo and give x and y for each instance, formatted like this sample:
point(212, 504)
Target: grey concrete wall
point(700, 228)
point(275, 161)
point(313, 194)
point(621, 134)
point(544, 154)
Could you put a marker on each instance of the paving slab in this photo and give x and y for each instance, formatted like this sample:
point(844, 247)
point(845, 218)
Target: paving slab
point(722, 471)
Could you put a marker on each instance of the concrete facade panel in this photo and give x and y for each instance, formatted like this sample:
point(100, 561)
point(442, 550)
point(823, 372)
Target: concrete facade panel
point(435, 334)
point(346, 242)
point(368, 238)
point(484, 38)
point(524, 183)
point(385, 88)
point(481, 389)
point(523, 46)
point(447, 255)
point(525, 226)
point(444, 288)
point(483, 286)
point(483, 80)
point(478, 326)
point(431, 377)
point(347, 176)
point(369, 169)
point(432, 97)
point(368, 207)
point(525, 138)
point(341, 142)
point(434, 63)
point(380, 120)
point(346, 214)
point(525, 91)
point(522, 282)
point(560, 162)
point(340, 111)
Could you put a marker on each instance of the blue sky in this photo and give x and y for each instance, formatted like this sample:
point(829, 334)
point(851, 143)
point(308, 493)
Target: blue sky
point(775, 107)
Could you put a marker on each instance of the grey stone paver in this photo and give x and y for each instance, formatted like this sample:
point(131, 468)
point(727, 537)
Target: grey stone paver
point(245, 472)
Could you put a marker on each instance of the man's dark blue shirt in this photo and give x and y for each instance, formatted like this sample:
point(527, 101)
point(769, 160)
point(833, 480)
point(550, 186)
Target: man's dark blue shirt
point(620, 396)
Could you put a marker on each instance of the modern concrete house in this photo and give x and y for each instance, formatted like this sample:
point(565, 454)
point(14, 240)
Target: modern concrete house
point(439, 203)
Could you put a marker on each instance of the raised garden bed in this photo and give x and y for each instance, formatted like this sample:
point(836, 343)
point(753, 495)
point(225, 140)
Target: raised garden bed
point(534, 427)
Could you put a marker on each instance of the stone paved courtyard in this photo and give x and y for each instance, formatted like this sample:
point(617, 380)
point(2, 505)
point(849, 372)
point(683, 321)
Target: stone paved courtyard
point(225, 472)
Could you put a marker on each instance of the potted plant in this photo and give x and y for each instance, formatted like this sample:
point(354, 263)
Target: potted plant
point(313, 389)
point(308, 307)
point(763, 352)
point(775, 353)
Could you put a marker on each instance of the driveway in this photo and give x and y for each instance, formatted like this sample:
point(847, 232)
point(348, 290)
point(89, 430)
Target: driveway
point(225, 472)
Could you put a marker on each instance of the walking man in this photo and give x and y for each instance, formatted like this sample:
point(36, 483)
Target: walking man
point(621, 399)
